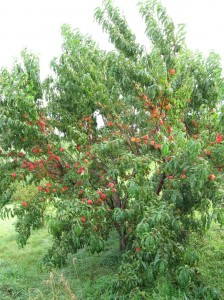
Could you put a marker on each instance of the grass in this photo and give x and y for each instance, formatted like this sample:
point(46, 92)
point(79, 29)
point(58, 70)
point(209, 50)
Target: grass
point(212, 258)
point(23, 276)
point(87, 277)
point(21, 271)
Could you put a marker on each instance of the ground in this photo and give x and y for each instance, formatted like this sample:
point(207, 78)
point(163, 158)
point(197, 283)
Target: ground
point(24, 277)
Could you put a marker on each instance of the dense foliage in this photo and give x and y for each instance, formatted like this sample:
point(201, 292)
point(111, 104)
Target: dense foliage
point(130, 141)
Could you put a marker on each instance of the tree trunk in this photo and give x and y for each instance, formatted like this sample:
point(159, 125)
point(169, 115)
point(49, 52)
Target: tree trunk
point(123, 242)
point(122, 237)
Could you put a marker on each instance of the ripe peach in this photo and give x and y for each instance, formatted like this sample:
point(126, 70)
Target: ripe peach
point(83, 219)
point(211, 177)
point(172, 71)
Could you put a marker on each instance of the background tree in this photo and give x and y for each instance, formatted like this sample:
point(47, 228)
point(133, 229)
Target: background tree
point(151, 171)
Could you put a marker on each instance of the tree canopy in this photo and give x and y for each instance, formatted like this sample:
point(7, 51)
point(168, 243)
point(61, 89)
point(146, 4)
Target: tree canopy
point(151, 170)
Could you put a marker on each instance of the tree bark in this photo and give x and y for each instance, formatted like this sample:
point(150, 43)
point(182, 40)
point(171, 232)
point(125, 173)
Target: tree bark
point(123, 242)
point(122, 237)
point(160, 185)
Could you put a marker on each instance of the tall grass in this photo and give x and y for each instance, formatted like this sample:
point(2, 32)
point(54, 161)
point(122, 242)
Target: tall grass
point(23, 275)
point(87, 276)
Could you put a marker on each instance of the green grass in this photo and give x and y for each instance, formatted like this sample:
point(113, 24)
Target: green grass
point(87, 277)
point(21, 272)
point(23, 276)
point(211, 263)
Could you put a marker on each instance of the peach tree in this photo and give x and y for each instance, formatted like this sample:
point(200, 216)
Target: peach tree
point(127, 141)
